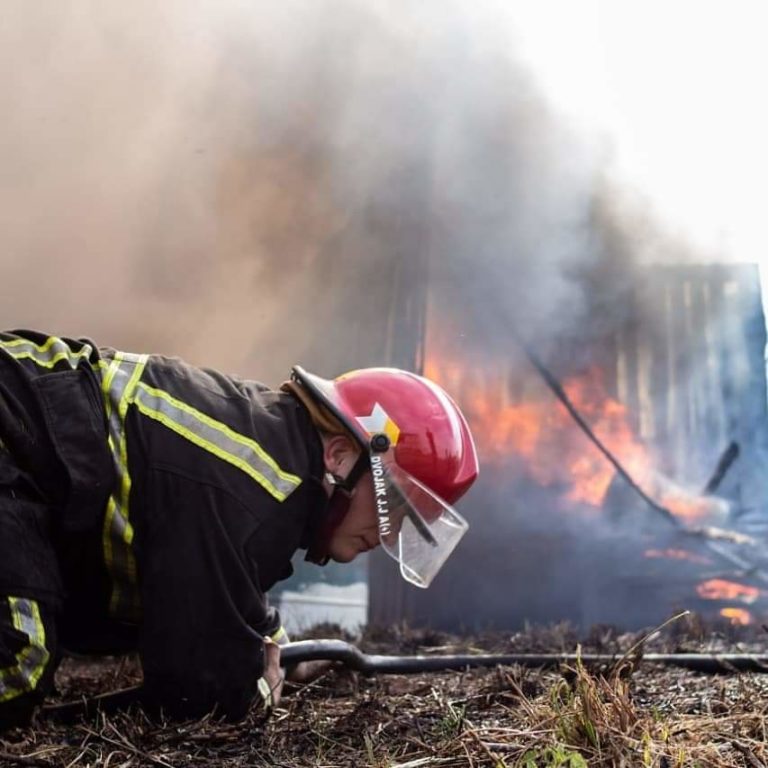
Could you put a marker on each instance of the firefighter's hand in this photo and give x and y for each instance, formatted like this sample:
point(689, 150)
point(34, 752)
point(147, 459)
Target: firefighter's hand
point(273, 676)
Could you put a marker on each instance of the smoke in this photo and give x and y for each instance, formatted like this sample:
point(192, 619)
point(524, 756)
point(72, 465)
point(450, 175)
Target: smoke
point(232, 181)
point(250, 185)
point(135, 207)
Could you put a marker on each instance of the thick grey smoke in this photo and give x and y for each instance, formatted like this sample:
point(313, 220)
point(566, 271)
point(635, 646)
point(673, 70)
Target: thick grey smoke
point(230, 180)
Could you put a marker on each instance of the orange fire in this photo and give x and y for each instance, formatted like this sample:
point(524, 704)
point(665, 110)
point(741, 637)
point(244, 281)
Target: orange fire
point(539, 430)
point(536, 428)
point(720, 589)
point(737, 616)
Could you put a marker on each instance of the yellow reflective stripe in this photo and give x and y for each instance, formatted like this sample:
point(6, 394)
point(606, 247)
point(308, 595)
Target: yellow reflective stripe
point(119, 381)
point(216, 438)
point(280, 637)
point(31, 661)
point(230, 433)
point(109, 376)
point(47, 355)
point(49, 342)
point(125, 485)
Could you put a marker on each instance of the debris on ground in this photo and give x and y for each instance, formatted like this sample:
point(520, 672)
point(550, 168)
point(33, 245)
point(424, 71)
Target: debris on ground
point(623, 715)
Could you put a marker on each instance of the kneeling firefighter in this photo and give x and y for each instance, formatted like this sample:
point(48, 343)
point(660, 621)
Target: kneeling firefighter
point(147, 504)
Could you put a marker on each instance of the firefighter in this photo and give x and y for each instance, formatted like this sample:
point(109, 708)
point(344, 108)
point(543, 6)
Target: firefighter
point(149, 505)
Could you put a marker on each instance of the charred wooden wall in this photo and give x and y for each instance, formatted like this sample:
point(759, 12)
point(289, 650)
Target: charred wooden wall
point(693, 377)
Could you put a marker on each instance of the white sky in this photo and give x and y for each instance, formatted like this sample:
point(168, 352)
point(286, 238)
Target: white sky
point(679, 87)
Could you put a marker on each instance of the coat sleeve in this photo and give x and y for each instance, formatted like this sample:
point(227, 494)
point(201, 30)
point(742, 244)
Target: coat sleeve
point(203, 611)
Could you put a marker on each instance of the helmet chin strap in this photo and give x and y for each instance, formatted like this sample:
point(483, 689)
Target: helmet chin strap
point(338, 506)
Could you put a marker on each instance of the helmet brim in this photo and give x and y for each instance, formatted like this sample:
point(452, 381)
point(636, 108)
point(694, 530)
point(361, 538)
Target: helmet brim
point(325, 392)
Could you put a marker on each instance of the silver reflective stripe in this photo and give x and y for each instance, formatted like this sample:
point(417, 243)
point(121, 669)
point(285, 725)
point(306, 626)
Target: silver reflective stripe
point(31, 660)
point(265, 692)
point(217, 438)
point(119, 378)
point(53, 351)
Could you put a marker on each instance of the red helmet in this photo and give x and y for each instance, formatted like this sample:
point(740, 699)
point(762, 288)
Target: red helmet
point(422, 456)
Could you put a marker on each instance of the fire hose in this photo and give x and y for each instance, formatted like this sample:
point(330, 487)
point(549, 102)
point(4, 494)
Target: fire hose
point(370, 664)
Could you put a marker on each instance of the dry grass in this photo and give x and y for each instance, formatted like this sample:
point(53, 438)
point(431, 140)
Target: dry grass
point(624, 715)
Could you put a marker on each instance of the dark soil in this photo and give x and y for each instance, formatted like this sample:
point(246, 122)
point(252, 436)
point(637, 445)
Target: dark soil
point(620, 715)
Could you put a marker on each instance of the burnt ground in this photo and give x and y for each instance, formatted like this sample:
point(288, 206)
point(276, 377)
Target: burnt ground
point(616, 716)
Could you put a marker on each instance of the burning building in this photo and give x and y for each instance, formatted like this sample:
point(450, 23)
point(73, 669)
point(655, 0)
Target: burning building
point(676, 393)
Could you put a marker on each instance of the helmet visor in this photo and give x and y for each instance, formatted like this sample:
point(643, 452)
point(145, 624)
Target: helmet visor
point(416, 528)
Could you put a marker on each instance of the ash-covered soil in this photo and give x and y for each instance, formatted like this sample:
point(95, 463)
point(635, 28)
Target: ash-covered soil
point(621, 715)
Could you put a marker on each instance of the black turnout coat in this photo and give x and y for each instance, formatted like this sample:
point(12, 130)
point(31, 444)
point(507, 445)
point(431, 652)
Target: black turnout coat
point(166, 500)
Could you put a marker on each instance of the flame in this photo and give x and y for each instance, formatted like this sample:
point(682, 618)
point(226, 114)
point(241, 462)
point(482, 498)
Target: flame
point(540, 431)
point(536, 428)
point(720, 589)
point(677, 554)
point(737, 616)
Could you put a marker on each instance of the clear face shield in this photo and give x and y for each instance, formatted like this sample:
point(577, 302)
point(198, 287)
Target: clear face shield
point(416, 528)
